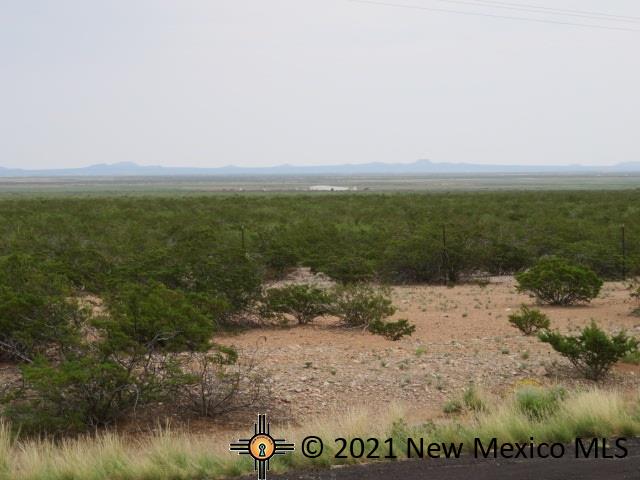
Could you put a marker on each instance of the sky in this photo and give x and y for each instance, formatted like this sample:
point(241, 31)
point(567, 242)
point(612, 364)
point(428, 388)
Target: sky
point(208, 83)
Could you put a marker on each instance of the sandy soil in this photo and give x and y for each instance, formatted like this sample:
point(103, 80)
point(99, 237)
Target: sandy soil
point(462, 337)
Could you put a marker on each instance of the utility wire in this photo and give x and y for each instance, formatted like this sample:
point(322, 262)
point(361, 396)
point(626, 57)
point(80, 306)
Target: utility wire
point(547, 10)
point(562, 10)
point(491, 15)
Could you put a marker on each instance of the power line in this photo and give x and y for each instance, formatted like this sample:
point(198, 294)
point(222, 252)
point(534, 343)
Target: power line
point(563, 10)
point(549, 10)
point(491, 15)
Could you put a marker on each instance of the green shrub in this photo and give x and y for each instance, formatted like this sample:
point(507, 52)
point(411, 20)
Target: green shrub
point(95, 387)
point(232, 275)
point(74, 394)
point(529, 320)
point(362, 304)
point(392, 330)
point(206, 264)
point(413, 259)
point(368, 306)
point(304, 302)
point(36, 313)
point(278, 257)
point(144, 316)
point(137, 354)
point(593, 352)
point(349, 269)
point(556, 281)
point(538, 403)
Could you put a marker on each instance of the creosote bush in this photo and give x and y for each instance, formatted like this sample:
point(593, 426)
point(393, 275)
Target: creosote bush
point(136, 355)
point(37, 315)
point(529, 320)
point(593, 352)
point(556, 281)
point(79, 392)
point(144, 315)
point(304, 302)
point(368, 306)
point(362, 304)
point(392, 330)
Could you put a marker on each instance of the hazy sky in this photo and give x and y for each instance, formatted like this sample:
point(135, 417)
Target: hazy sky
point(263, 82)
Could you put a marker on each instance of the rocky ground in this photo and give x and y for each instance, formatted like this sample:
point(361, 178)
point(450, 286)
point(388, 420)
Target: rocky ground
point(462, 337)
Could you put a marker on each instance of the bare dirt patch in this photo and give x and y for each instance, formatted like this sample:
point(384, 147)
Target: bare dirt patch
point(462, 337)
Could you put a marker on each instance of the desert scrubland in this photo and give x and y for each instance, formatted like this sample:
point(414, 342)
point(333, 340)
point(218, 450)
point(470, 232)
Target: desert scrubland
point(158, 326)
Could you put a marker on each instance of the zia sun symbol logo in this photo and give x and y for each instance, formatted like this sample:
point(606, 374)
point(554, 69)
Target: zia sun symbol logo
point(261, 446)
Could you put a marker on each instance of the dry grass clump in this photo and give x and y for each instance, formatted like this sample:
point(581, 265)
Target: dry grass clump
point(549, 415)
point(542, 413)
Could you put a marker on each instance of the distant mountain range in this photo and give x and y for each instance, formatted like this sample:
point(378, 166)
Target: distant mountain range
point(420, 167)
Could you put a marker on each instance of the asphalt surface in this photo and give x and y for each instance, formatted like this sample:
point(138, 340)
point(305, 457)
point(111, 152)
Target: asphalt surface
point(465, 468)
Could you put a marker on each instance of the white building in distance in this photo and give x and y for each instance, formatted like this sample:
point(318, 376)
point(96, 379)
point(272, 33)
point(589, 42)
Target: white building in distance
point(330, 188)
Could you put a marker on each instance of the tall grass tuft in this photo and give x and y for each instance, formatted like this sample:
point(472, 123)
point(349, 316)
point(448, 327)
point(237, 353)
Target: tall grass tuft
point(5, 450)
point(544, 414)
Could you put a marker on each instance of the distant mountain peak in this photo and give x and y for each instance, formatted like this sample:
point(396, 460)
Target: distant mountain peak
point(419, 167)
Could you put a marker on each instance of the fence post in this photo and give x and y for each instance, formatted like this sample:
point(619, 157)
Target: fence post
point(624, 254)
point(445, 257)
